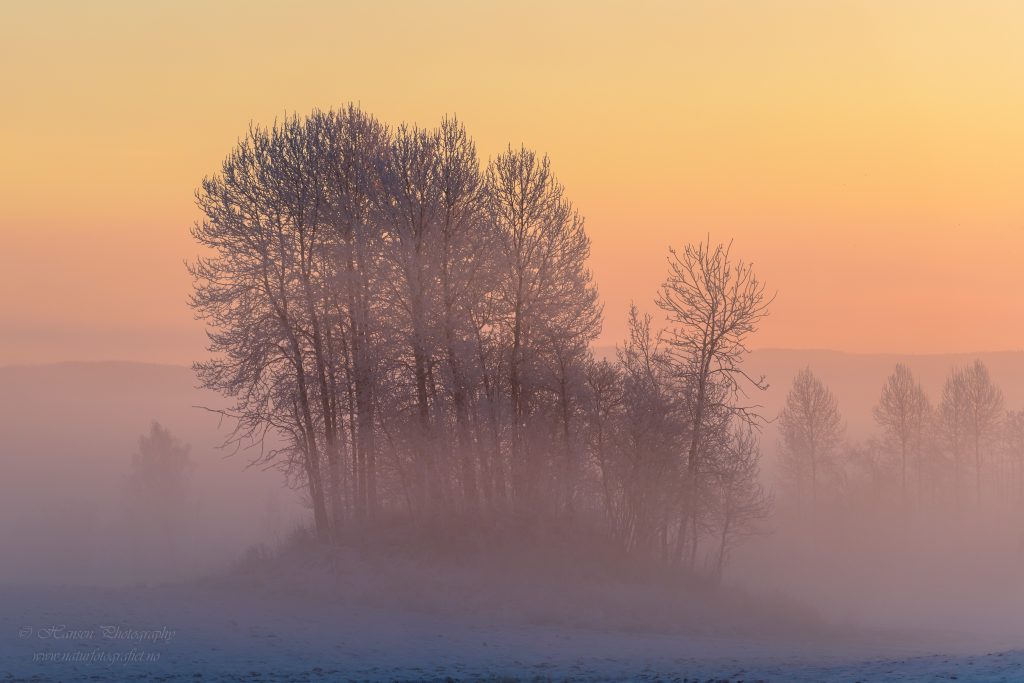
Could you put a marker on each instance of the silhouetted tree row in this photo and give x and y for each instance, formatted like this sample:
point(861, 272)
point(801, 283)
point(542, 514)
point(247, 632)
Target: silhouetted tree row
point(965, 449)
point(415, 329)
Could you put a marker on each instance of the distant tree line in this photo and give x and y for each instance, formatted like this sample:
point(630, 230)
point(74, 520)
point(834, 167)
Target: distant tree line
point(158, 496)
point(414, 328)
point(965, 450)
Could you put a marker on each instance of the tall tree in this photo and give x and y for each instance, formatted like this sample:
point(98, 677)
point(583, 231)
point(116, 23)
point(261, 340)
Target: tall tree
point(359, 146)
point(411, 211)
point(260, 289)
point(713, 304)
point(651, 432)
point(161, 468)
point(544, 281)
point(902, 411)
point(466, 272)
point(811, 430)
point(602, 414)
point(984, 408)
point(952, 416)
point(742, 500)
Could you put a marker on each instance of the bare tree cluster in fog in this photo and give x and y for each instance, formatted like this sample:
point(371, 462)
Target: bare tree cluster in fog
point(966, 450)
point(158, 494)
point(160, 473)
point(417, 327)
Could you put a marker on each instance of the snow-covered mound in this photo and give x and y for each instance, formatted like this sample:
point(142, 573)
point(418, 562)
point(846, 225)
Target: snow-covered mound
point(516, 573)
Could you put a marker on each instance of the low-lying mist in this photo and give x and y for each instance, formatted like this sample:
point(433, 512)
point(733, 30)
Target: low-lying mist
point(856, 558)
point(884, 566)
point(71, 511)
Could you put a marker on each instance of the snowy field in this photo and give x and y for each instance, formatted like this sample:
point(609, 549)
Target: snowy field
point(214, 631)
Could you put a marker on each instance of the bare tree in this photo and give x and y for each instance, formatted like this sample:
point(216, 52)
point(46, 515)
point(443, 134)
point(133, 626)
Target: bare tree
point(902, 412)
point(161, 468)
point(545, 280)
point(952, 415)
point(984, 408)
point(256, 290)
point(359, 144)
point(602, 414)
point(742, 500)
point(411, 211)
point(969, 414)
point(713, 304)
point(811, 429)
point(650, 436)
point(467, 274)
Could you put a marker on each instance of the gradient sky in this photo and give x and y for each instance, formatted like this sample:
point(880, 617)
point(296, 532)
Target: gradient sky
point(867, 156)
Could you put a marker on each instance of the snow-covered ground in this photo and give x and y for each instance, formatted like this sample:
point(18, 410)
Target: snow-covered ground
point(228, 630)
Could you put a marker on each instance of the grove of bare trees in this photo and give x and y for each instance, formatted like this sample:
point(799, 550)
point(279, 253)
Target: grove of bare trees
point(407, 333)
point(966, 451)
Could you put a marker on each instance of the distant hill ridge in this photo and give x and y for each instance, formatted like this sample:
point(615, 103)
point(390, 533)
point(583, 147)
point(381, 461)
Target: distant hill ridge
point(154, 388)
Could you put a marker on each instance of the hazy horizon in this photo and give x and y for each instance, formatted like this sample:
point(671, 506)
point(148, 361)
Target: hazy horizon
point(599, 349)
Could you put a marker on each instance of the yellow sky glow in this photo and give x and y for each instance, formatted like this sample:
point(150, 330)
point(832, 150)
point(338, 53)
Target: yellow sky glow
point(867, 156)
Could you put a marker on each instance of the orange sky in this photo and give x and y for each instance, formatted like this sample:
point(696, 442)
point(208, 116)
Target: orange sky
point(868, 156)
